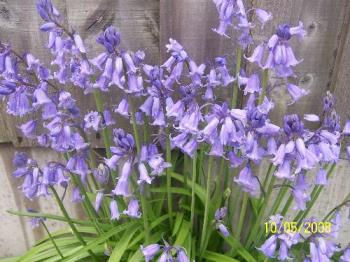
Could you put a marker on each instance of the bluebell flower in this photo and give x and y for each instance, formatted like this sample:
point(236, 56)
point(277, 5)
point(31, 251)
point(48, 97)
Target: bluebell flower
point(92, 120)
point(133, 209)
point(150, 251)
point(101, 174)
point(346, 255)
point(29, 128)
point(113, 206)
point(18, 103)
point(281, 57)
point(77, 197)
point(248, 182)
point(98, 200)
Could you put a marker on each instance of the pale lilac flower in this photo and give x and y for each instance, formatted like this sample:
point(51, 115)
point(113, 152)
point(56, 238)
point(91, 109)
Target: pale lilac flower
point(269, 247)
point(113, 206)
point(18, 103)
point(321, 177)
point(248, 182)
point(133, 209)
point(346, 130)
point(29, 128)
point(92, 120)
point(123, 108)
point(98, 200)
point(263, 16)
point(300, 192)
point(346, 255)
point(77, 197)
point(182, 256)
point(296, 92)
point(101, 174)
point(150, 251)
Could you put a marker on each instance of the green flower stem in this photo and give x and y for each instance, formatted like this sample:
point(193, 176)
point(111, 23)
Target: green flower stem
point(242, 214)
point(52, 239)
point(314, 196)
point(258, 220)
point(235, 85)
point(142, 196)
point(287, 205)
point(345, 202)
point(207, 206)
point(193, 196)
point(168, 177)
point(71, 224)
point(263, 85)
point(89, 208)
point(279, 198)
point(106, 134)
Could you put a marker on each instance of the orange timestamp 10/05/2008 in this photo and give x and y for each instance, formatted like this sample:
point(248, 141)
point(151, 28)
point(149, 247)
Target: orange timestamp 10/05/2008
point(292, 227)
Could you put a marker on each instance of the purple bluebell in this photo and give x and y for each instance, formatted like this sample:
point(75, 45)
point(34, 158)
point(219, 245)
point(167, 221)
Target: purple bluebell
point(263, 16)
point(79, 43)
point(110, 39)
point(122, 188)
point(46, 10)
point(150, 251)
point(269, 247)
point(346, 255)
point(113, 206)
point(123, 108)
point(321, 177)
point(108, 118)
point(18, 103)
point(29, 128)
point(92, 120)
point(281, 57)
point(78, 164)
point(77, 197)
point(252, 83)
point(35, 221)
point(101, 174)
point(98, 200)
point(300, 192)
point(296, 92)
point(248, 182)
point(133, 209)
point(182, 256)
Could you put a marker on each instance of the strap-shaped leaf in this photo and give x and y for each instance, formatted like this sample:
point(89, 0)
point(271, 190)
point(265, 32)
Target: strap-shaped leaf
point(122, 245)
point(212, 256)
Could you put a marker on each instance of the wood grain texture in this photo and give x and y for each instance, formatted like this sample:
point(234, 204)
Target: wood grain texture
point(341, 78)
point(323, 20)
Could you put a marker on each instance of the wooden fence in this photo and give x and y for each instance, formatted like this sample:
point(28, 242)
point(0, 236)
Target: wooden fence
point(148, 24)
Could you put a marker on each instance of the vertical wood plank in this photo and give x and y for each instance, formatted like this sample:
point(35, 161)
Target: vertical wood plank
point(323, 21)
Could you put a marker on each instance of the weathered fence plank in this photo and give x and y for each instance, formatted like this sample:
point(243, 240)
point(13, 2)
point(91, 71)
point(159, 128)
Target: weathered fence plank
point(323, 20)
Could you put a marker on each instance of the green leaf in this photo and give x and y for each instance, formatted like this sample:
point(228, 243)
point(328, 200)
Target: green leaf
point(183, 233)
point(55, 217)
point(101, 239)
point(200, 192)
point(212, 256)
point(9, 259)
point(236, 245)
point(175, 190)
point(178, 223)
point(122, 245)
